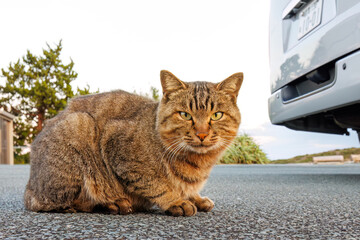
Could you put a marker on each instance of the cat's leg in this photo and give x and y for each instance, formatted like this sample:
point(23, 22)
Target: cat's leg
point(139, 176)
point(154, 189)
point(140, 204)
point(107, 194)
point(157, 191)
point(203, 204)
point(169, 201)
point(100, 187)
point(85, 203)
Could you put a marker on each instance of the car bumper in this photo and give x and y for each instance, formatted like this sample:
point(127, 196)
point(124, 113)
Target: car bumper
point(343, 91)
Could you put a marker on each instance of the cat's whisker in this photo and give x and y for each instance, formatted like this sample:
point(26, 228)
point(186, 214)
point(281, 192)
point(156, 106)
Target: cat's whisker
point(174, 142)
point(228, 148)
point(228, 136)
point(171, 148)
point(226, 143)
point(183, 147)
point(187, 148)
point(168, 149)
point(173, 155)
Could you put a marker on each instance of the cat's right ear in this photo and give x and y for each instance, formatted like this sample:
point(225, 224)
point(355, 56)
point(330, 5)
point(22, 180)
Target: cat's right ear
point(170, 83)
point(232, 84)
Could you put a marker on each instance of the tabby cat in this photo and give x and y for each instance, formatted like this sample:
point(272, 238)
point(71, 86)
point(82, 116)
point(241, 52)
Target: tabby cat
point(121, 153)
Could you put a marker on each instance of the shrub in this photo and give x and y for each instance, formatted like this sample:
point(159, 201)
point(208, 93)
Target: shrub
point(21, 158)
point(244, 151)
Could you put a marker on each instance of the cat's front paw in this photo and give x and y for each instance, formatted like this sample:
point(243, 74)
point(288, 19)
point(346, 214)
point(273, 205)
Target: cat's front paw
point(204, 204)
point(182, 208)
point(121, 206)
point(124, 206)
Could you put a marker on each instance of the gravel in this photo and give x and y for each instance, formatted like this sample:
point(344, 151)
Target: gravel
point(251, 202)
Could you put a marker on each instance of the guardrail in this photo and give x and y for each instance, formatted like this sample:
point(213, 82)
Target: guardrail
point(355, 158)
point(329, 159)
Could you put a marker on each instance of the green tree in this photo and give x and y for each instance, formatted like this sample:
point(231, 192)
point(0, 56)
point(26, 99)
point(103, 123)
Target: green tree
point(245, 151)
point(35, 89)
point(155, 93)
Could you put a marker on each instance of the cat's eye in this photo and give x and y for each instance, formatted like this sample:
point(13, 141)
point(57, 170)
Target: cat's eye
point(216, 116)
point(185, 116)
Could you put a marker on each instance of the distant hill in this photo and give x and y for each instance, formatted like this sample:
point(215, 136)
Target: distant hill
point(308, 157)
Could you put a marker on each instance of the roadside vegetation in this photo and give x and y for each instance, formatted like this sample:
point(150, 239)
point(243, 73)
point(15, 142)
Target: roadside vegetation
point(309, 157)
point(36, 88)
point(244, 151)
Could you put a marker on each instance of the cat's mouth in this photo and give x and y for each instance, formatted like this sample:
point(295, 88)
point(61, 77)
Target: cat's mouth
point(201, 147)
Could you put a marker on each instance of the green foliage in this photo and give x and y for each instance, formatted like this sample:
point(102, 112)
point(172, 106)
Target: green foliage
point(21, 158)
point(309, 157)
point(244, 151)
point(37, 88)
point(155, 93)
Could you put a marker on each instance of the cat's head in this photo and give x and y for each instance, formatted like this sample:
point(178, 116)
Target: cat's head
point(198, 116)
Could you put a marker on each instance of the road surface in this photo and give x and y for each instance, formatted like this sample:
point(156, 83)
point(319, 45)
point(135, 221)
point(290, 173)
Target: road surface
point(251, 202)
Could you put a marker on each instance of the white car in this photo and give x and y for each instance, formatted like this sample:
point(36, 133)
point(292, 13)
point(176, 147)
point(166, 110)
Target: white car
point(315, 65)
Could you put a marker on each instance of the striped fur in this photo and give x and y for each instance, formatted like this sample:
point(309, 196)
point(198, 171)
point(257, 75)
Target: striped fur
point(121, 153)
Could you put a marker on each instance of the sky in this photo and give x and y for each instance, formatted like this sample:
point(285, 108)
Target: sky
point(118, 44)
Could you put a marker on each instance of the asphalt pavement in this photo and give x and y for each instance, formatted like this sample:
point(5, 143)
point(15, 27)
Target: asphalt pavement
point(251, 202)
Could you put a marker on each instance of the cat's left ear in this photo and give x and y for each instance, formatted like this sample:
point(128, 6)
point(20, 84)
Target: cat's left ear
point(170, 83)
point(232, 84)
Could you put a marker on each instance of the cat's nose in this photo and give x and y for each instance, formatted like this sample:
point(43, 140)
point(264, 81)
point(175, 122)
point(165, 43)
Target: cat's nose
point(202, 135)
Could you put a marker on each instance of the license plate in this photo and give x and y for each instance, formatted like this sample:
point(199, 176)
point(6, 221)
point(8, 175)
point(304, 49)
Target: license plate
point(309, 17)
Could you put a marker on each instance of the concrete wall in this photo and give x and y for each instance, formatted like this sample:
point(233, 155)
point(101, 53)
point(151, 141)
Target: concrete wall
point(6, 138)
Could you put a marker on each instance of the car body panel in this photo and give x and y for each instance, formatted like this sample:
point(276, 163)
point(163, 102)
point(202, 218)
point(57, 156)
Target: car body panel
point(315, 78)
point(344, 91)
point(290, 58)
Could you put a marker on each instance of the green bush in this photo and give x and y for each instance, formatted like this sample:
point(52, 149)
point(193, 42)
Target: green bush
point(244, 151)
point(21, 158)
